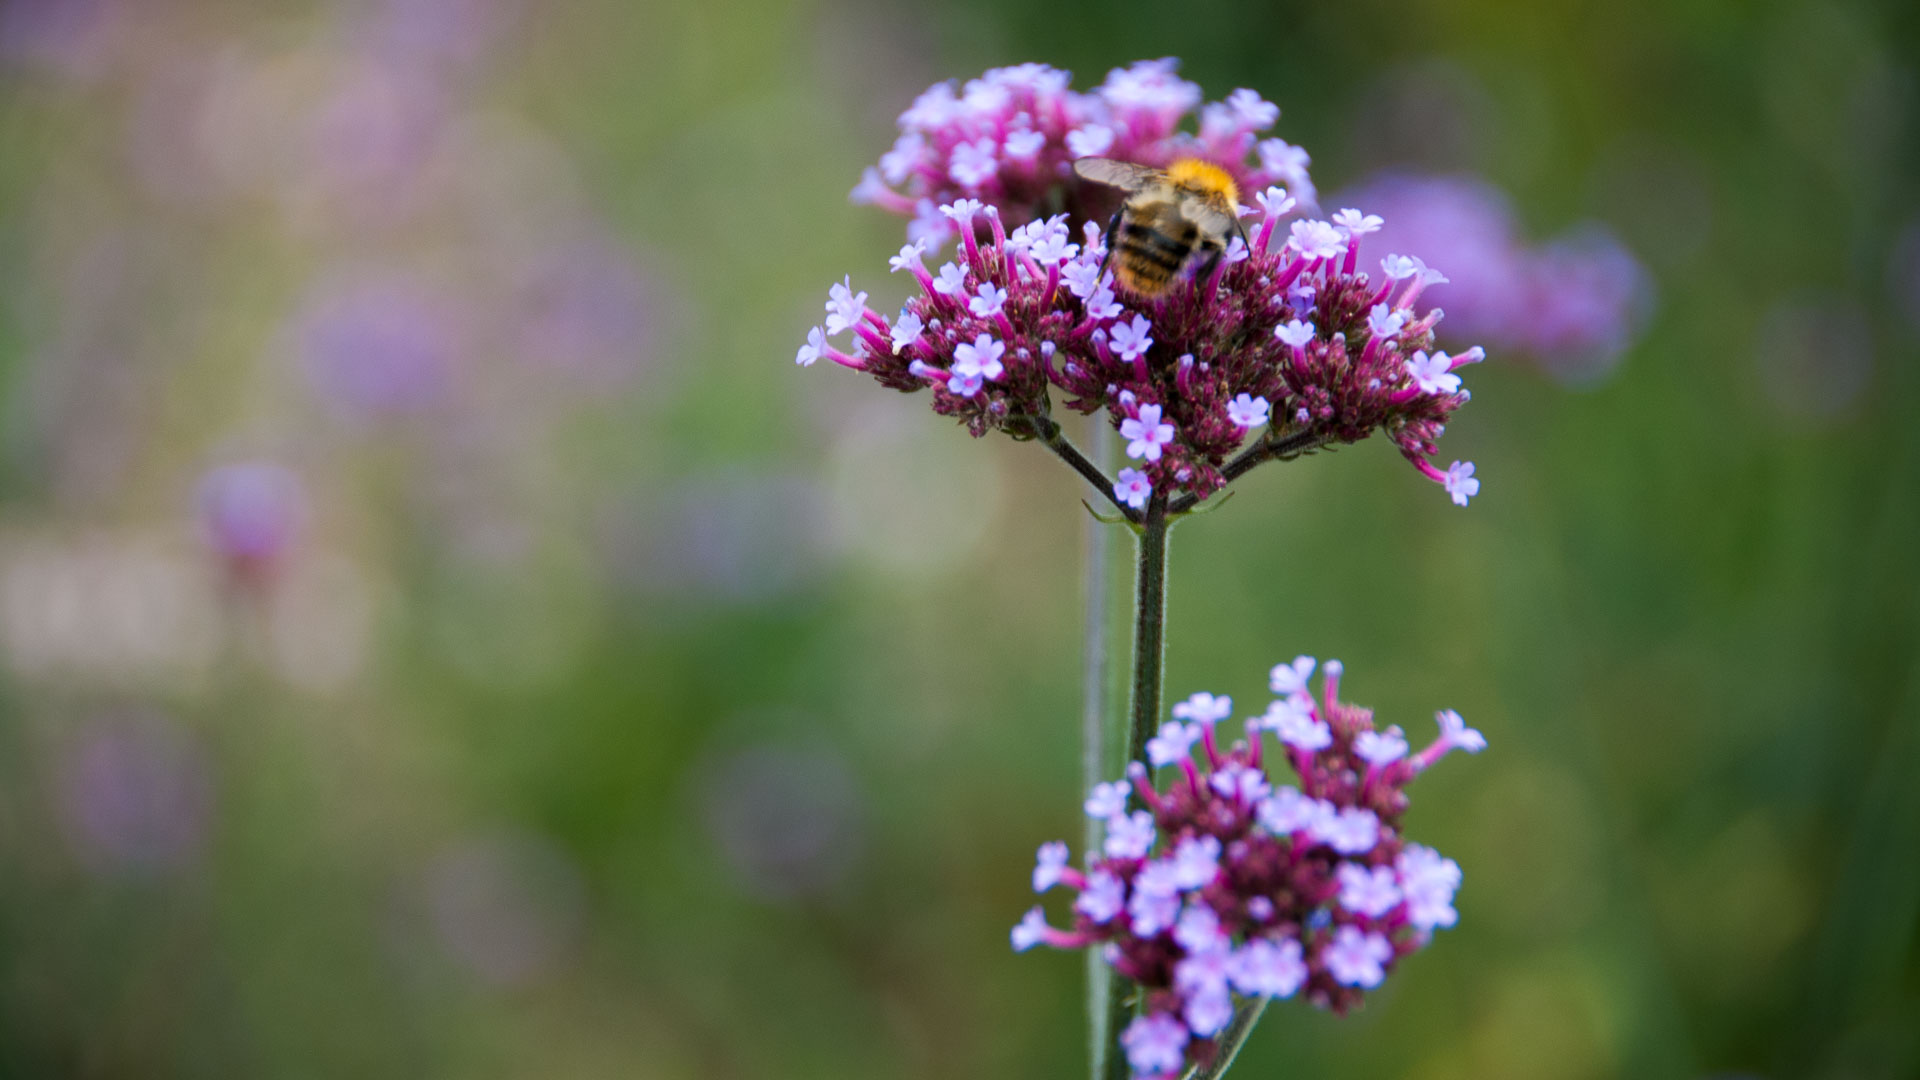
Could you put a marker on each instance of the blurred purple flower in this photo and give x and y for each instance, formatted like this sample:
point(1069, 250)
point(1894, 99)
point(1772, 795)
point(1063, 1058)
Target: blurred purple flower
point(505, 906)
point(252, 512)
point(1576, 305)
point(379, 344)
point(133, 794)
point(369, 141)
point(785, 819)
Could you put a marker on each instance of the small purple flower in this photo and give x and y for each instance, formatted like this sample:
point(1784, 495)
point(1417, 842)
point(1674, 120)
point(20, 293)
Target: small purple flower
point(1295, 333)
point(1174, 743)
point(1428, 880)
point(1106, 896)
point(1108, 799)
point(1433, 374)
point(951, 281)
point(977, 361)
point(987, 300)
point(1275, 203)
point(1292, 719)
point(1352, 831)
point(1130, 340)
point(1195, 861)
point(1460, 482)
point(1049, 865)
point(906, 330)
point(844, 308)
point(1155, 1043)
point(1090, 141)
point(1291, 678)
point(1146, 435)
point(1383, 322)
point(1456, 731)
point(1133, 488)
point(1355, 958)
point(1368, 891)
point(1357, 224)
point(1198, 928)
point(1317, 240)
point(1204, 708)
point(1103, 305)
point(1129, 837)
point(1032, 930)
point(1288, 811)
point(1265, 968)
point(1249, 412)
point(1401, 267)
point(815, 347)
point(909, 257)
point(1381, 748)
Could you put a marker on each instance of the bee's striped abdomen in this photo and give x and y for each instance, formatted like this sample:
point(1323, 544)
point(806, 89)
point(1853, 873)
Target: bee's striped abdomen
point(1151, 247)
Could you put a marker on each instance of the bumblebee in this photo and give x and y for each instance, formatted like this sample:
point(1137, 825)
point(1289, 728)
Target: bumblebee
point(1170, 214)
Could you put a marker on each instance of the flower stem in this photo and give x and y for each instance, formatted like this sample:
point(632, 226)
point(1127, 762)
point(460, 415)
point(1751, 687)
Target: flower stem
point(1291, 446)
point(1095, 675)
point(1232, 1039)
point(1149, 661)
point(1049, 433)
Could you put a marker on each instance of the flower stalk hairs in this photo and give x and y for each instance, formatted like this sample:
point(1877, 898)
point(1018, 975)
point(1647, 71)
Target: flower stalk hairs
point(1285, 339)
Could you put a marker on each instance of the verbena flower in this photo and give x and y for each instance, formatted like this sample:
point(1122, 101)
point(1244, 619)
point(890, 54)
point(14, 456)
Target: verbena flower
point(1299, 336)
point(1230, 883)
point(1575, 304)
point(1008, 139)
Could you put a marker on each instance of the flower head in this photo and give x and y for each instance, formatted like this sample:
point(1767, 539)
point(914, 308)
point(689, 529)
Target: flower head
point(1229, 884)
point(1259, 353)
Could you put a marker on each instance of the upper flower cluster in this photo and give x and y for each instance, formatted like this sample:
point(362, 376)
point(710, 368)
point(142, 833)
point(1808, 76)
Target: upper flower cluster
point(1226, 883)
point(1009, 137)
point(1291, 336)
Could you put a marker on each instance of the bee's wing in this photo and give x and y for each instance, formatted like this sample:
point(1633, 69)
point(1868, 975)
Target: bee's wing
point(1211, 220)
point(1124, 175)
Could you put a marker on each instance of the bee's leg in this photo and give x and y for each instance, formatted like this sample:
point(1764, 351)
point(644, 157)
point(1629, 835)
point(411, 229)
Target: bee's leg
point(1113, 226)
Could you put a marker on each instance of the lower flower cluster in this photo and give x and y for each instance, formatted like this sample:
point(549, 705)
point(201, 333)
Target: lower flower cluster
point(1228, 884)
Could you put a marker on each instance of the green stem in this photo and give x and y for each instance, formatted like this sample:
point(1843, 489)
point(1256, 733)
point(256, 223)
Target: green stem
point(1232, 1039)
point(1149, 664)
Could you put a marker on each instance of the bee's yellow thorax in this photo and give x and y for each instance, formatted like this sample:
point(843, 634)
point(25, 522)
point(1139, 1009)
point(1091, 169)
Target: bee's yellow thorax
point(1204, 177)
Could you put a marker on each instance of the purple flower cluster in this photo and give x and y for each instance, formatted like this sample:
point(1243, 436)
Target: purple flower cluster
point(1575, 303)
point(1009, 138)
point(1227, 883)
point(1292, 336)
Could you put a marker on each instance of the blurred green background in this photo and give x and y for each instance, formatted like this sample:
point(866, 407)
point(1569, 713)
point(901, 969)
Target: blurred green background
point(619, 700)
